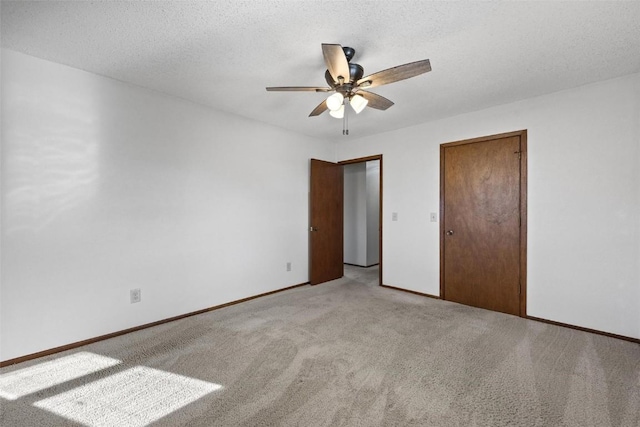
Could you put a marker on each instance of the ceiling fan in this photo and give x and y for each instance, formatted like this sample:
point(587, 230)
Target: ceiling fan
point(346, 80)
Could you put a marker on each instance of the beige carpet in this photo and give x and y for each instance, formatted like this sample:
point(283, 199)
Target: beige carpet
point(365, 275)
point(344, 353)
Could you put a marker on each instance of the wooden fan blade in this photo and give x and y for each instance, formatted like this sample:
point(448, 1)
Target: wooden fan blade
point(321, 108)
point(336, 61)
point(375, 101)
point(299, 89)
point(395, 74)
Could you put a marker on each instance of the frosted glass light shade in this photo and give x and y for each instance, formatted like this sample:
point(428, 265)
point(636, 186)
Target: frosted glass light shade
point(358, 103)
point(334, 102)
point(339, 113)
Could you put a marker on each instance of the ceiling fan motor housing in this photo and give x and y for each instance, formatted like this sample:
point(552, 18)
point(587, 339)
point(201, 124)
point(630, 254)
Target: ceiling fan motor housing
point(355, 73)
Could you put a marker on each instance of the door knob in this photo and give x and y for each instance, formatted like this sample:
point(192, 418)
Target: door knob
point(449, 232)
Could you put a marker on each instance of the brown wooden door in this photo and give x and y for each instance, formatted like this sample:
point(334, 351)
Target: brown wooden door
point(481, 223)
point(326, 222)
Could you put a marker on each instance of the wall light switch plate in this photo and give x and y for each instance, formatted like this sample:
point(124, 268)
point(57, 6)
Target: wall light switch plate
point(433, 216)
point(394, 216)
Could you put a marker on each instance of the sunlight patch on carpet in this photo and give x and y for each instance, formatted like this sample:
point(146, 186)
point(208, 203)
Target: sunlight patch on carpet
point(44, 375)
point(135, 397)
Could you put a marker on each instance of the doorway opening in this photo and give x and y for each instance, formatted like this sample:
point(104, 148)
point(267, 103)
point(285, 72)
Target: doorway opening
point(362, 255)
point(326, 219)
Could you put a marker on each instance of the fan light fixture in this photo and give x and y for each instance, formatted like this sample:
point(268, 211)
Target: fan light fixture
point(358, 102)
point(335, 102)
point(339, 113)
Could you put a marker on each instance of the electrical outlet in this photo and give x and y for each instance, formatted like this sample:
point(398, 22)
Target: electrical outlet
point(135, 295)
point(434, 217)
point(289, 266)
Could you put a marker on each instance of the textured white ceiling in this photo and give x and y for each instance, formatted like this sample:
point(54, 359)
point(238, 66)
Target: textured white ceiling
point(224, 53)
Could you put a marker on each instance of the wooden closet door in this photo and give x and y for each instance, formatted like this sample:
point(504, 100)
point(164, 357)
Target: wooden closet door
point(481, 223)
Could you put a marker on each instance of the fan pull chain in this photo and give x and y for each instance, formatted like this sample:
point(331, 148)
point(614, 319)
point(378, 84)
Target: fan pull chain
point(345, 119)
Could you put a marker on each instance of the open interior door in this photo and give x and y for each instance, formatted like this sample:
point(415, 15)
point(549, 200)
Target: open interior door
point(326, 236)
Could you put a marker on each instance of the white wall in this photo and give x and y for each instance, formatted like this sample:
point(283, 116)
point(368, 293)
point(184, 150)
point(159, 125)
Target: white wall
point(108, 187)
point(583, 208)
